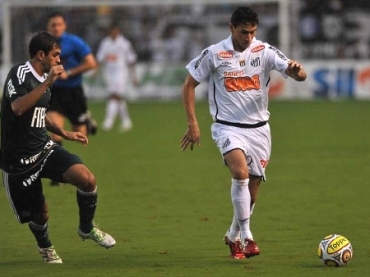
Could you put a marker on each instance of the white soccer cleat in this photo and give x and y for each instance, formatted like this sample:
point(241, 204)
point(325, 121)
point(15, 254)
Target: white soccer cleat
point(126, 126)
point(50, 256)
point(97, 235)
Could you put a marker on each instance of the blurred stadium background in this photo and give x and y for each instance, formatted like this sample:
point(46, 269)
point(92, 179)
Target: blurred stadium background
point(331, 38)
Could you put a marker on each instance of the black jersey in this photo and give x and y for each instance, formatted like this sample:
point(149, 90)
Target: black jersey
point(24, 138)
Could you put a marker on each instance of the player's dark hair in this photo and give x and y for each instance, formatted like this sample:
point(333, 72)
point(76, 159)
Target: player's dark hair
point(42, 41)
point(244, 15)
point(55, 14)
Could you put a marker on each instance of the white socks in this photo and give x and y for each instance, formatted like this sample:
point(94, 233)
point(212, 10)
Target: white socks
point(111, 112)
point(241, 200)
point(123, 111)
point(113, 108)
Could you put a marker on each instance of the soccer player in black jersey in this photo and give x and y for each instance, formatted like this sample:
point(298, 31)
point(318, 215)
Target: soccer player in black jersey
point(28, 154)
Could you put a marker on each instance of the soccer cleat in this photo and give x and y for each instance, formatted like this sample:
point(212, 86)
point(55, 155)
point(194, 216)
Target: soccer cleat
point(126, 126)
point(97, 235)
point(50, 256)
point(250, 248)
point(235, 248)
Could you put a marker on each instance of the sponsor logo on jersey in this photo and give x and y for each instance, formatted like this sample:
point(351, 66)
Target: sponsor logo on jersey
point(225, 55)
point(226, 63)
point(242, 83)
point(258, 48)
point(278, 53)
point(197, 63)
point(234, 73)
point(30, 160)
point(11, 89)
point(242, 63)
point(256, 62)
point(28, 181)
point(38, 118)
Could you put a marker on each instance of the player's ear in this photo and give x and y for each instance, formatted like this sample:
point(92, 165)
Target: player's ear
point(40, 55)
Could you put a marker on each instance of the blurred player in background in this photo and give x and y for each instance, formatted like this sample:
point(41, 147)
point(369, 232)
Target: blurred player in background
point(28, 154)
point(68, 98)
point(238, 70)
point(118, 59)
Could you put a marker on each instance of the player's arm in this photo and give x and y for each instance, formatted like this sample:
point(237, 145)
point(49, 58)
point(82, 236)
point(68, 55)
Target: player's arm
point(89, 62)
point(24, 103)
point(296, 71)
point(192, 134)
point(54, 128)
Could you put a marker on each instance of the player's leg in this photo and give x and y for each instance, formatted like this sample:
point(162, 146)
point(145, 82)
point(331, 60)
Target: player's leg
point(81, 177)
point(65, 167)
point(28, 203)
point(241, 198)
point(126, 122)
point(240, 195)
point(111, 111)
point(76, 110)
point(254, 185)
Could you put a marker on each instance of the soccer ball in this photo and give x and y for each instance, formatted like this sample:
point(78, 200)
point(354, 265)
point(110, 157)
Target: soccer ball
point(335, 250)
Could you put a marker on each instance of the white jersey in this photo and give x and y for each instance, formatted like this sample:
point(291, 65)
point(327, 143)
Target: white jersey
point(238, 81)
point(115, 57)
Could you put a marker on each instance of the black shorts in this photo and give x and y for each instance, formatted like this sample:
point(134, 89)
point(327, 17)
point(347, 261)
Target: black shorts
point(70, 102)
point(24, 191)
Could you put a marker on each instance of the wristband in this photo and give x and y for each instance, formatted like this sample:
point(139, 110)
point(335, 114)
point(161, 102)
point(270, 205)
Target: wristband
point(69, 72)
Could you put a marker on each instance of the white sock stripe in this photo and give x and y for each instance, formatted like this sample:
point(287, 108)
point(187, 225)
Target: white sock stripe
point(242, 182)
point(87, 193)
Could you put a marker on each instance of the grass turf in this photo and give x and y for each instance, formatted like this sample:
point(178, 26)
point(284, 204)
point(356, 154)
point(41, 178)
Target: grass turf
point(168, 210)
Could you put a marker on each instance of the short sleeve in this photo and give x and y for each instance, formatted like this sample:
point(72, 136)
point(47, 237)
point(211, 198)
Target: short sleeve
point(276, 59)
point(201, 66)
point(82, 49)
point(15, 86)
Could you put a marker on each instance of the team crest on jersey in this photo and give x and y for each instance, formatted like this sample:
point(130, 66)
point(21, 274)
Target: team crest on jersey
point(201, 58)
point(225, 55)
point(256, 62)
point(11, 89)
point(242, 63)
point(258, 48)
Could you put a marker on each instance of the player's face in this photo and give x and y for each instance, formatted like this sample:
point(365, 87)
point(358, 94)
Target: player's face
point(242, 36)
point(56, 26)
point(52, 59)
point(114, 33)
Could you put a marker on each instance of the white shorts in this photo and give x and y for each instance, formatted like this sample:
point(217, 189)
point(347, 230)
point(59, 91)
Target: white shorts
point(115, 83)
point(254, 142)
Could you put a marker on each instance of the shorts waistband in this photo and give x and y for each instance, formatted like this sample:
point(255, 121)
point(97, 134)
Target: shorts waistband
point(242, 125)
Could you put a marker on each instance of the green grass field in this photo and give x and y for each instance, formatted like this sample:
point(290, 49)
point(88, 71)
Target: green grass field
point(168, 209)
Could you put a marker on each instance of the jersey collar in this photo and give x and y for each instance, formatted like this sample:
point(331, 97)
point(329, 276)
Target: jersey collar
point(37, 76)
point(229, 44)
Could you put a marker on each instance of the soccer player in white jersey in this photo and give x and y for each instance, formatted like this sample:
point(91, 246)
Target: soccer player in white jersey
point(118, 58)
point(238, 73)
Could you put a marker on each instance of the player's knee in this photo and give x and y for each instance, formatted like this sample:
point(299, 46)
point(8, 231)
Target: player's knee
point(88, 182)
point(41, 218)
point(240, 174)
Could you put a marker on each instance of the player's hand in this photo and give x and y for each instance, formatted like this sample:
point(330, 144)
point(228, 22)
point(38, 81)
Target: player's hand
point(76, 136)
point(63, 75)
point(295, 70)
point(54, 73)
point(192, 136)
